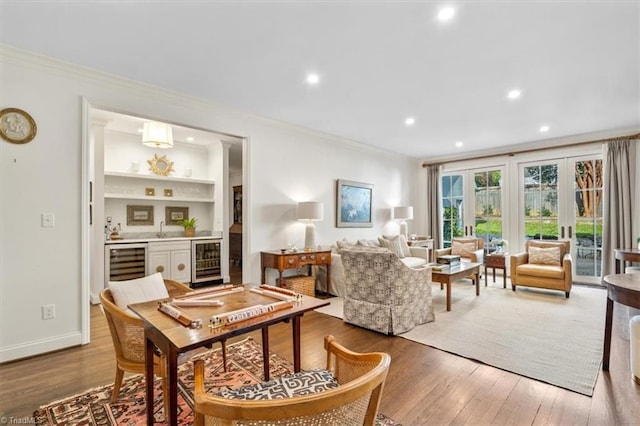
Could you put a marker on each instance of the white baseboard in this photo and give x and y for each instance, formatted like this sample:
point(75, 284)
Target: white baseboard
point(39, 347)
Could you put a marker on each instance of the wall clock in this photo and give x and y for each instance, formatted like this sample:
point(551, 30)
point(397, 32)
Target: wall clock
point(17, 126)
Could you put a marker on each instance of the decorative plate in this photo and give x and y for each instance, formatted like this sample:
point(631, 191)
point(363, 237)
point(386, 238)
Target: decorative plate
point(17, 126)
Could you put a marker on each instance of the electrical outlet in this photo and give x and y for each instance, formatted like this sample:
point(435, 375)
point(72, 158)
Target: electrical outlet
point(48, 312)
point(48, 220)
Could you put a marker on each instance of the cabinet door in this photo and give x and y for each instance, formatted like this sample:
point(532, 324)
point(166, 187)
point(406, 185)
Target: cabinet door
point(181, 265)
point(160, 261)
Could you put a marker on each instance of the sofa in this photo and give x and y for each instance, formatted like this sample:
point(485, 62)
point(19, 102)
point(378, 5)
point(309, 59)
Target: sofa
point(544, 264)
point(382, 293)
point(410, 256)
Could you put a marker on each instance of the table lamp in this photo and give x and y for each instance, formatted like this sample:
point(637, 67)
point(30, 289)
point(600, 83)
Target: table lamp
point(310, 211)
point(403, 214)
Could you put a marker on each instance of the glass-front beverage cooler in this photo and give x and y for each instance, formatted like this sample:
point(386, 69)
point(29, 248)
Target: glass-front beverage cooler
point(205, 262)
point(124, 262)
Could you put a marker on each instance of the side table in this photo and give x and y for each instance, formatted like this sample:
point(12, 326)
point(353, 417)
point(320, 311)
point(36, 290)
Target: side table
point(496, 261)
point(292, 260)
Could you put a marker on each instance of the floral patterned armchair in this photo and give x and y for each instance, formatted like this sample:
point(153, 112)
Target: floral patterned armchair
point(382, 293)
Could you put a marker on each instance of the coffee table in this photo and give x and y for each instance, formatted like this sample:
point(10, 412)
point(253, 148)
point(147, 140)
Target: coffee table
point(454, 273)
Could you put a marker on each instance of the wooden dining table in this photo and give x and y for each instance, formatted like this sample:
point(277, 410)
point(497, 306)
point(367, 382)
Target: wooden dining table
point(624, 289)
point(166, 334)
point(624, 255)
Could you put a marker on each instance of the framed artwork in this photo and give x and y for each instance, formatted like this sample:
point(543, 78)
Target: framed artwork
point(139, 215)
point(353, 204)
point(173, 215)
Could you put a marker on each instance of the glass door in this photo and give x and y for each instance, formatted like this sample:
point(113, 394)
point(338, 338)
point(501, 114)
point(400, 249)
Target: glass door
point(452, 202)
point(487, 190)
point(472, 205)
point(561, 199)
point(587, 218)
point(540, 215)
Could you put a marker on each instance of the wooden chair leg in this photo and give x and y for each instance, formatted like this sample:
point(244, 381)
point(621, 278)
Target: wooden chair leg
point(116, 384)
point(224, 354)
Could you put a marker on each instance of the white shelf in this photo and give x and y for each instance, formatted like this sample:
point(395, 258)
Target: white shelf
point(150, 198)
point(158, 177)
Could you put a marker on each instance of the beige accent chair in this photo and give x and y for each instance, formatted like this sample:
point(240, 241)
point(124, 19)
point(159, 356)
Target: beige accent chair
point(354, 401)
point(127, 333)
point(534, 268)
point(470, 249)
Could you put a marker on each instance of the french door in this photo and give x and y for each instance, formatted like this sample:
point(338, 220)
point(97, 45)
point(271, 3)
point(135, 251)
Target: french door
point(472, 203)
point(561, 199)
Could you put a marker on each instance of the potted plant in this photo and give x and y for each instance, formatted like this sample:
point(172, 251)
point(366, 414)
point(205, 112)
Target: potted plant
point(638, 242)
point(189, 225)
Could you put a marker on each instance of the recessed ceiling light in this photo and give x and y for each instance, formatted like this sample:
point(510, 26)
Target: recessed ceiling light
point(313, 79)
point(190, 139)
point(514, 94)
point(459, 144)
point(544, 129)
point(446, 14)
point(410, 121)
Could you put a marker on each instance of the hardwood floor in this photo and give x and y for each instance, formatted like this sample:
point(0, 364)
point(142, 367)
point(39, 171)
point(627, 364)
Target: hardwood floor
point(424, 385)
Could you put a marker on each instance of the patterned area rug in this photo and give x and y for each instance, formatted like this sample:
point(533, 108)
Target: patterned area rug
point(94, 407)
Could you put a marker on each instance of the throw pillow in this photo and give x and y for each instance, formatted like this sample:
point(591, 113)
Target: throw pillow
point(139, 290)
point(402, 240)
point(393, 245)
point(297, 384)
point(544, 256)
point(463, 249)
point(345, 244)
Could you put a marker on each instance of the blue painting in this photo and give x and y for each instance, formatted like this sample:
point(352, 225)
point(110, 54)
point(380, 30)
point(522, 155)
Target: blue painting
point(354, 201)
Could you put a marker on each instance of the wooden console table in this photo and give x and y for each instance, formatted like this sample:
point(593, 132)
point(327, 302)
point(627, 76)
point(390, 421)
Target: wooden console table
point(281, 261)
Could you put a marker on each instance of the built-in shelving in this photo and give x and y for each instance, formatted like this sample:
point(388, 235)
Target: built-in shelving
point(158, 177)
point(132, 186)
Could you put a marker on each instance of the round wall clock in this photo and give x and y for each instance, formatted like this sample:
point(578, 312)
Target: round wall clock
point(17, 126)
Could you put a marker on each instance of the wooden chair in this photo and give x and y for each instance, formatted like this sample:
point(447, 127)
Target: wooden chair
point(355, 401)
point(127, 333)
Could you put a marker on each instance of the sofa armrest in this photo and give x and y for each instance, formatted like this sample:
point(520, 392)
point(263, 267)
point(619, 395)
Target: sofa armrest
point(442, 252)
point(421, 252)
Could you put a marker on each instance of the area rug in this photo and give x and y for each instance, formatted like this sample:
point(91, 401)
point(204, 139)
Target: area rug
point(335, 307)
point(531, 332)
point(94, 407)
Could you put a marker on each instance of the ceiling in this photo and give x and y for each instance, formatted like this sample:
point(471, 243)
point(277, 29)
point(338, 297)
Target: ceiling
point(576, 63)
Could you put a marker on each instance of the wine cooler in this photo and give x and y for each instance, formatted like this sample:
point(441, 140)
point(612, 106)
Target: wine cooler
point(124, 262)
point(205, 262)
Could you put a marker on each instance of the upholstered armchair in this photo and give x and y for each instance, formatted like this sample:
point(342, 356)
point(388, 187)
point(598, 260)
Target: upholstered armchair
point(544, 264)
point(470, 249)
point(382, 293)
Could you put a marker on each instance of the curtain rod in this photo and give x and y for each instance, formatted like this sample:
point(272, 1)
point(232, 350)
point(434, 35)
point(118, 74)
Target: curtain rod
point(524, 151)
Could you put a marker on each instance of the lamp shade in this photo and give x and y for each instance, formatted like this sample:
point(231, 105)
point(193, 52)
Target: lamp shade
point(157, 135)
point(311, 210)
point(403, 212)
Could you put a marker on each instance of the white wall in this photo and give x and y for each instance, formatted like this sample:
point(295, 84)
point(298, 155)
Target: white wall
point(41, 266)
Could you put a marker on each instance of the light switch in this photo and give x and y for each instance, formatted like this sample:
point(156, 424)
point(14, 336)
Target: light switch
point(48, 220)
